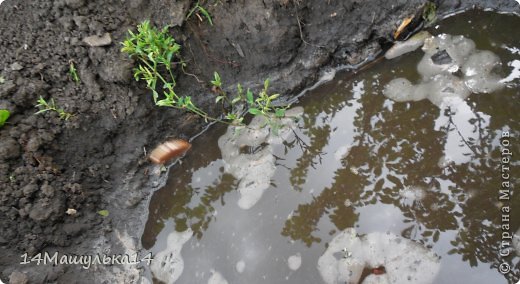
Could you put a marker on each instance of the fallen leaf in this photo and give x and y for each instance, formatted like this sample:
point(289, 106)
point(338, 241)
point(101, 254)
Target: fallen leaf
point(403, 25)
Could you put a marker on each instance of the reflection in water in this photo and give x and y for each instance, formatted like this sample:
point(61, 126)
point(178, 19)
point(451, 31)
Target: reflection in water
point(359, 160)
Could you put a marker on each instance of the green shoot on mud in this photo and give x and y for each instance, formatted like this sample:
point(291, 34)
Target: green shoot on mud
point(199, 9)
point(45, 106)
point(73, 72)
point(4, 115)
point(261, 105)
point(155, 50)
point(429, 14)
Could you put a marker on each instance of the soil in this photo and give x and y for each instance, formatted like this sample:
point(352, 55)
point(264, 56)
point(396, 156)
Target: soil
point(96, 160)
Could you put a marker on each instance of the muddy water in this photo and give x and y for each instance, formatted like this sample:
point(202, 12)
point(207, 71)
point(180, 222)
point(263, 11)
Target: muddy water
point(359, 160)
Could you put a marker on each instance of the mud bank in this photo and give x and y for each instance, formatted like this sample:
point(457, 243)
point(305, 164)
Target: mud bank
point(96, 159)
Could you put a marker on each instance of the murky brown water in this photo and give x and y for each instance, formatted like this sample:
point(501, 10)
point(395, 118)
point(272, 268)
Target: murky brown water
point(393, 178)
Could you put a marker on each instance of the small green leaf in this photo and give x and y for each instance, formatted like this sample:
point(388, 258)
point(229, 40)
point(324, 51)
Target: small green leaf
point(235, 100)
point(103, 213)
point(249, 96)
point(231, 116)
point(206, 14)
point(274, 97)
point(254, 111)
point(4, 115)
point(266, 84)
point(280, 112)
point(216, 81)
point(219, 98)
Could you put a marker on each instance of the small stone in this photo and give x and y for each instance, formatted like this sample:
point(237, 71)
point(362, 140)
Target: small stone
point(96, 40)
point(71, 211)
point(75, 4)
point(16, 66)
point(18, 277)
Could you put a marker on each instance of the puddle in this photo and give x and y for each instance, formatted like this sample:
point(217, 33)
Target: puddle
point(358, 162)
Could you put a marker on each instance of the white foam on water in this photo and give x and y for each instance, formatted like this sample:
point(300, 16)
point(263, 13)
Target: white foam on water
point(216, 278)
point(404, 260)
point(294, 261)
point(168, 264)
point(240, 266)
point(439, 83)
point(254, 170)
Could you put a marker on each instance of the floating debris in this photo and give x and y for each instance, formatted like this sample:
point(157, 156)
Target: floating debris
point(168, 264)
point(389, 258)
point(444, 56)
point(168, 150)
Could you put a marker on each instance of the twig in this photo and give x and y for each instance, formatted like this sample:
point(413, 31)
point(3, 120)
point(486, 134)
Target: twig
point(301, 31)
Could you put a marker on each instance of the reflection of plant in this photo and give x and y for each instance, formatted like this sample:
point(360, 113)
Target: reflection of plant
point(51, 106)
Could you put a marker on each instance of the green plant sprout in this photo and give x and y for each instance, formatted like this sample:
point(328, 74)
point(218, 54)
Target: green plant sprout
point(155, 51)
point(4, 115)
point(51, 106)
point(261, 105)
point(73, 72)
point(199, 9)
point(429, 14)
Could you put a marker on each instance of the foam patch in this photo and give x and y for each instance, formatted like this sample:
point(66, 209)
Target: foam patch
point(451, 69)
point(254, 170)
point(404, 260)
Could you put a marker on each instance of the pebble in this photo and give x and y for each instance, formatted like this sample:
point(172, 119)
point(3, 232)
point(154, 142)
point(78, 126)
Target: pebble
point(16, 66)
point(96, 40)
